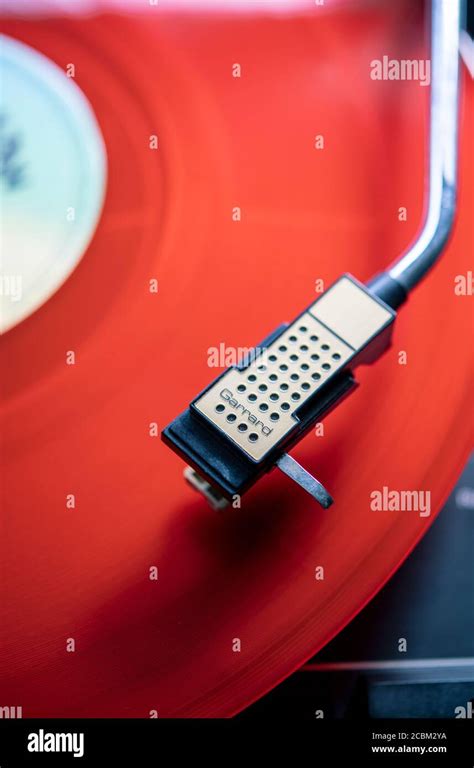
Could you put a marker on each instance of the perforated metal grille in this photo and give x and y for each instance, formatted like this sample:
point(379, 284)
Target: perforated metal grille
point(256, 407)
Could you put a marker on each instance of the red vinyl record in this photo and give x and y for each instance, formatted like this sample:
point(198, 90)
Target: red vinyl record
point(82, 431)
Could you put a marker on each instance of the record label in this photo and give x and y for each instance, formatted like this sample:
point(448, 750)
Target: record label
point(53, 172)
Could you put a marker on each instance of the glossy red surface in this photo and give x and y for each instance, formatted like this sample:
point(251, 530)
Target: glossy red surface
point(306, 214)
